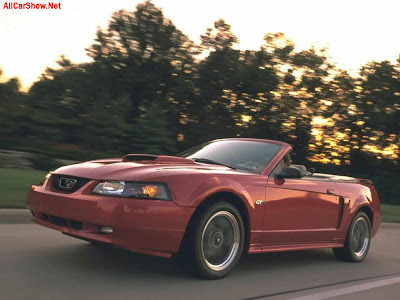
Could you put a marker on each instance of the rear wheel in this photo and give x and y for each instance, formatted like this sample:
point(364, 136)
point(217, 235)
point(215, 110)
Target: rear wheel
point(358, 240)
point(217, 240)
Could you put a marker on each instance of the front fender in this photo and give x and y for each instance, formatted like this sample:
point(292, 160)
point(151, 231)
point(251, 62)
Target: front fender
point(192, 191)
point(215, 185)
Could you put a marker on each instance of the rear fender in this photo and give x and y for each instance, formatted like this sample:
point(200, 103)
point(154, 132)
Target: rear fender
point(357, 197)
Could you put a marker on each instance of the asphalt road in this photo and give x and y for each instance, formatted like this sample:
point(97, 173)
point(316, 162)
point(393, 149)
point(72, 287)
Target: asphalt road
point(39, 263)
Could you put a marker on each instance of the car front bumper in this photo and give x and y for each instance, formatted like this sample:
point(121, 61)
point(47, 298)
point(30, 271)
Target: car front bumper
point(153, 227)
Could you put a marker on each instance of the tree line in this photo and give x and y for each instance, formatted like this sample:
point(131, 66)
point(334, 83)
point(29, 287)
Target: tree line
point(150, 89)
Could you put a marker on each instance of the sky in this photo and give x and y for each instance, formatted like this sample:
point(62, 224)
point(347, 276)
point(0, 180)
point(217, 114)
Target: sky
point(355, 31)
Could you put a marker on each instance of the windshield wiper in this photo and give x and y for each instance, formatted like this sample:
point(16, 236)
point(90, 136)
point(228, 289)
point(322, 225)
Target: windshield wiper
point(210, 161)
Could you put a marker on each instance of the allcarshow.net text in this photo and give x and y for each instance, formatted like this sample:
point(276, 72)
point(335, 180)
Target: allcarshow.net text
point(31, 5)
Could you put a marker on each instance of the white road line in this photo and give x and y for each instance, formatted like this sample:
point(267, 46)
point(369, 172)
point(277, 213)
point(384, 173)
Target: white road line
point(349, 290)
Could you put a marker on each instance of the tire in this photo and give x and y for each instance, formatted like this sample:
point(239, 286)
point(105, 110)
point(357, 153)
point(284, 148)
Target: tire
point(215, 242)
point(358, 240)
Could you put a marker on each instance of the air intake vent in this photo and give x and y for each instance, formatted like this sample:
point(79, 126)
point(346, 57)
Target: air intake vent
point(139, 157)
point(162, 159)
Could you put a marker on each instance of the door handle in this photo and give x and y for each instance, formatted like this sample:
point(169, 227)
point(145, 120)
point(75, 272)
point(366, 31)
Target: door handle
point(330, 192)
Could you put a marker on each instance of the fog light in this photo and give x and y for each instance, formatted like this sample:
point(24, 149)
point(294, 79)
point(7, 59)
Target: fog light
point(106, 230)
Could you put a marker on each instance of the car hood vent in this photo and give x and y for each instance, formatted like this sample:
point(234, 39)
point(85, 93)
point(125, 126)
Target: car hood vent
point(156, 158)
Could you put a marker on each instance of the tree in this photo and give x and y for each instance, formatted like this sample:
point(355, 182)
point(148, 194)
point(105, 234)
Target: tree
point(142, 52)
point(153, 136)
point(12, 116)
point(219, 38)
point(216, 74)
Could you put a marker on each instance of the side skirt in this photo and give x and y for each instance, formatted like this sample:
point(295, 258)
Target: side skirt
point(292, 247)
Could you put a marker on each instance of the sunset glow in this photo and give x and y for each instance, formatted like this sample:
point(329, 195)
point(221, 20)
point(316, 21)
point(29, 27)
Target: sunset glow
point(330, 142)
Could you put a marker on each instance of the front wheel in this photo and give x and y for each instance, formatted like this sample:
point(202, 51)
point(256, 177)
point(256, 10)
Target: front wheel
point(218, 241)
point(358, 240)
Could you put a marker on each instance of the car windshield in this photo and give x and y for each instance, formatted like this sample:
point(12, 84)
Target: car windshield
point(252, 156)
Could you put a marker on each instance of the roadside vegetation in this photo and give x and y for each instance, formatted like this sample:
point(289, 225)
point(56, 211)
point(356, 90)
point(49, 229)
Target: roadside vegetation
point(390, 213)
point(15, 184)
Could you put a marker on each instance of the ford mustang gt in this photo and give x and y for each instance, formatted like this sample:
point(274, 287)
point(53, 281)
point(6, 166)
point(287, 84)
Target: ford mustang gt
point(210, 204)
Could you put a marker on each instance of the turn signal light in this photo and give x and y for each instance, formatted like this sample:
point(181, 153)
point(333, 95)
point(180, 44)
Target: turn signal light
point(106, 230)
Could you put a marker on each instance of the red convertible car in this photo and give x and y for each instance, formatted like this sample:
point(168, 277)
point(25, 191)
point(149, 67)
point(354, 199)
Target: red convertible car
point(210, 204)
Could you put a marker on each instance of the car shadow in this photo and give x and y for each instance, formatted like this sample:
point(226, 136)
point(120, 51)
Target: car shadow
point(111, 262)
point(291, 258)
point(99, 259)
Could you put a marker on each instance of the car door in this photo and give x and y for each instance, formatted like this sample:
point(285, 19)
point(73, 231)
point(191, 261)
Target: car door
point(305, 210)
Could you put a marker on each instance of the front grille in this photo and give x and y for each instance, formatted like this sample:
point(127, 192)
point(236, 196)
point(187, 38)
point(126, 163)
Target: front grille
point(68, 184)
point(59, 221)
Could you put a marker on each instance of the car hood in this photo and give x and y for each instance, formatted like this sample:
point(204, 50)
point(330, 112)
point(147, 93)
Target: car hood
point(140, 167)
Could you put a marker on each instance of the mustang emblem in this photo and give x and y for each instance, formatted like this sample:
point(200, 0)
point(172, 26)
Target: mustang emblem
point(67, 183)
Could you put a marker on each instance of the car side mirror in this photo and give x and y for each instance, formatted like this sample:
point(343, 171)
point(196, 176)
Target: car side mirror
point(290, 172)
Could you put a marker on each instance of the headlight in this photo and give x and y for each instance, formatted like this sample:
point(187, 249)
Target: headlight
point(140, 190)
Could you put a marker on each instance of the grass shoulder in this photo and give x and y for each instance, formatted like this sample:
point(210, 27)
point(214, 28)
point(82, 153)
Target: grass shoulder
point(390, 213)
point(14, 184)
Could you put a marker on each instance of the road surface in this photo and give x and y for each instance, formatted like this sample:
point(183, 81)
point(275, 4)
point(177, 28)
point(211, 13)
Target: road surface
point(39, 263)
